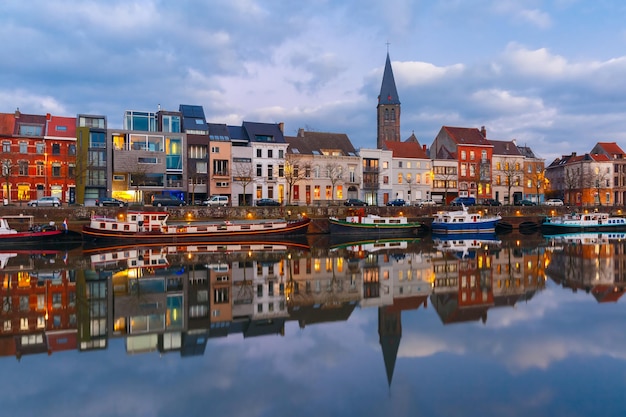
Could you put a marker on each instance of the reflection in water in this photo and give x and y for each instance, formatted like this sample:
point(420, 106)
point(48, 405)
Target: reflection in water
point(177, 298)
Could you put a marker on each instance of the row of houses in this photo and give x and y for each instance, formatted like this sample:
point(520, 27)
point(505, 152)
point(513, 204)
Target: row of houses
point(80, 159)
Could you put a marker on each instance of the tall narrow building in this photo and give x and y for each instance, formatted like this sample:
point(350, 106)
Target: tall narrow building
point(388, 109)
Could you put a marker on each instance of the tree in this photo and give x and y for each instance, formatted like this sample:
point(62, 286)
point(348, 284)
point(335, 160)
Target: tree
point(139, 178)
point(7, 170)
point(294, 172)
point(243, 173)
point(334, 172)
point(572, 182)
point(539, 180)
point(444, 175)
point(512, 172)
point(597, 180)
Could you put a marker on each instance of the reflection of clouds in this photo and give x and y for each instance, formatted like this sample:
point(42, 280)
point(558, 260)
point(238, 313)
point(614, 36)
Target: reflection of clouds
point(419, 346)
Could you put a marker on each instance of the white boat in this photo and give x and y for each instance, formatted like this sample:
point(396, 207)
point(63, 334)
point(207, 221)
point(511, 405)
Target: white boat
point(465, 246)
point(583, 222)
point(462, 221)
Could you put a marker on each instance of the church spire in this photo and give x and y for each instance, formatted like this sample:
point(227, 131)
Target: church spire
point(388, 92)
point(388, 108)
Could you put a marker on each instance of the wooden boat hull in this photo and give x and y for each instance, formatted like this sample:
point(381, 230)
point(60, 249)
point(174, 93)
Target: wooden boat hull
point(369, 230)
point(291, 228)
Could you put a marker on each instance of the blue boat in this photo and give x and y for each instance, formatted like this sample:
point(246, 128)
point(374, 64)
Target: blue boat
point(462, 221)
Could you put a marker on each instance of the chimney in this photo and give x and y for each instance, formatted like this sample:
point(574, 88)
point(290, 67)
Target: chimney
point(281, 126)
point(17, 113)
point(300, 133)
point(483, 132)
point(424, 148)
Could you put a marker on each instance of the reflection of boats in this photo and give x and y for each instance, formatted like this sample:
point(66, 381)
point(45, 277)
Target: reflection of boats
point(29, 231)
point(461, 221)
point(372, 245)
point(583, 222)
point(466, 245)
point(153, 227)
point(373, 225)
point(586, 238)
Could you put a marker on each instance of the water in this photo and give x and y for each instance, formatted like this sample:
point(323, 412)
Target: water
point(511, 326)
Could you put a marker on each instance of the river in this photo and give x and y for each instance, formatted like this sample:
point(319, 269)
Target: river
point(511, 325)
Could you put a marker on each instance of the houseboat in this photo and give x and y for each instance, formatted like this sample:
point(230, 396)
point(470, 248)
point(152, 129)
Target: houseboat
point(24, 230)
point(373, 225)
point(462, 221)
point(583, 222)
point(145, 226)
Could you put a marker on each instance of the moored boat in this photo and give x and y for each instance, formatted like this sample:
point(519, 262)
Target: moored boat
point(373, 225)
point(462, 221)
point(140, 226)
point(26, 231)
point(583, 222)
point(465, 245)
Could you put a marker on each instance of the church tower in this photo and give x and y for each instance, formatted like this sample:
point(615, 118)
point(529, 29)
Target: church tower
point(388, 109)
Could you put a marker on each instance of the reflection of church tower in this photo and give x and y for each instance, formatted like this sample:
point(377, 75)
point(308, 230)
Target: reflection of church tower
point(388, 109)
point(389, 333)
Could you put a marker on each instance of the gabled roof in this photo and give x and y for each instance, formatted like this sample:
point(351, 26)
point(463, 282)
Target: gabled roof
point(218, 131)
point(31, 120)
point(388, 92)
point(63, 127)
point(193, 117)
point(7, 123)
point(445, 153)
point(527, 152)
point(466, 135)
point(611, 149)
point(237, 133)
point(405, 149)
point(505, 148)
point(595, 157)
point(257, 132)
point(308, 143)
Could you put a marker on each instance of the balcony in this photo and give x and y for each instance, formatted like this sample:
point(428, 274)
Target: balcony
point(223, 173)
point(370, 170)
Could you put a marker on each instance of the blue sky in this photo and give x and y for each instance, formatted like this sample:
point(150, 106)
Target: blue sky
point(546, 73)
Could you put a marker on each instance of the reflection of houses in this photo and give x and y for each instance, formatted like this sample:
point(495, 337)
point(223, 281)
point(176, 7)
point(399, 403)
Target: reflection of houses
point(463, 288)
point(589, 262)
point(39, 311)
point(322, 289)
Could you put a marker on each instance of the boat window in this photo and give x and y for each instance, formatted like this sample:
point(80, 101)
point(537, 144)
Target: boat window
point(394, 221)
point(102, 226)
point(378, 221)
point(114, 226)
point(245, 227)
point(126, 227)
point(267, 226)
point(221, 227)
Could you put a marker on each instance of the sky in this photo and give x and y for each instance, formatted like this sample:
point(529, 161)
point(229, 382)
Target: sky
point(549, 74)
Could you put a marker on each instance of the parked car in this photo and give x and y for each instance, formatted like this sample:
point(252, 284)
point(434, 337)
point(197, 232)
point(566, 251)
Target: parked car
point(554, 202)
point(216, 201)
point(267, 202)
point(466, 201)
point(109, 201)
point(45, 202)
point(397, 202)
point(164, 200)
point(352, 202)
point(491, 202)
point(525, 203)
point(425, 203)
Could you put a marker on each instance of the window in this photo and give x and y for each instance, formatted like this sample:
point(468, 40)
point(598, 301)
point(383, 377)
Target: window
point(307, 171)
point(483, 155)
point(39, 168)
point(259, 153)
point(197, 152)
point(259, 170)
point(23, 168)
point(270, 172)
point(56, 170)
point(385, 164)
point(40, 148)
point(281, 154)
point(463, 155)
point(472, 155)
point(270, 153)
point(220, 167)
point(317, 192)
point(71, 149)
point(201, 167)
point(399, 178)
point(23, 147)
point(147, 160)
point(270, 192)
point(215, 149)
point(56, 149)
point(329, 192)
point(399, 164)
point(97, 140)
point(31, 130)
point(281, 171)
point(6, 146)
point(259, 192)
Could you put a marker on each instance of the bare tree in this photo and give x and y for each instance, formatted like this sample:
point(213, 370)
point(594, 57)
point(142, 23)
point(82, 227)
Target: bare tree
point(243, 173)
point(512, 172)
point(294, 173)
point(539, 180)
point(572, 182)
point(334, 172)
point(139, 178)
point(7, 170)
point(409, 182)
point(597, 180)
point(444, 175)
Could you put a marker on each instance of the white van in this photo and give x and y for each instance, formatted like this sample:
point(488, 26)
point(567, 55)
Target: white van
point(216, 201)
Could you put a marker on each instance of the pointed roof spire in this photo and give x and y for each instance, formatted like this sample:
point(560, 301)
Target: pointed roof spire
point(388, 93)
